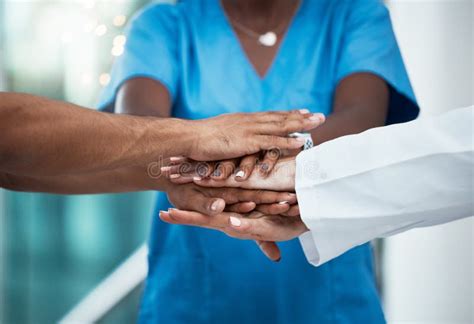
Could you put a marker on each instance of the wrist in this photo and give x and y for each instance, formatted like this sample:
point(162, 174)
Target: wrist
point(167, 185)
point(178, 137)
point(285, 172)
point(188, 136)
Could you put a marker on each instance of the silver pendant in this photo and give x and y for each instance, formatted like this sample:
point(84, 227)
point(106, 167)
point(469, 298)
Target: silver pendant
point(268, 39)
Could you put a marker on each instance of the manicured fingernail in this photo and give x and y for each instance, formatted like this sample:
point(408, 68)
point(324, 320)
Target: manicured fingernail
point(300, 140)
point(217, 172)
point(197, 178)
point(175, 176)
point(215, 205)
point(165, 168)
point(304, 111)
point(282, 202)
point(240, 174)
point(234, 221)
point(318, 117)
point(175, 158)
point(163, 213)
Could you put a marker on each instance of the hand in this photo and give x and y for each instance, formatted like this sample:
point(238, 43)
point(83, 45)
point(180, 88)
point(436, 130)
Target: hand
point(212, 201)
point(264, 229)
point(282, 178)
point(235, 135)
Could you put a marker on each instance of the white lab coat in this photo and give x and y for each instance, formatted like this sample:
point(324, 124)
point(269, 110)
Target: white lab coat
point(385, 181)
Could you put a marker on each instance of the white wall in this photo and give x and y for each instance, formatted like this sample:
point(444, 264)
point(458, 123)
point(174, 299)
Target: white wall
point(429, 272)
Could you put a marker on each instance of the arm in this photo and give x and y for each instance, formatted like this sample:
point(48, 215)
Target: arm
point(399, 177)
point(46, 137)
point(143, 97)
point(360, 103)
point(112, 181)
point(42, 137)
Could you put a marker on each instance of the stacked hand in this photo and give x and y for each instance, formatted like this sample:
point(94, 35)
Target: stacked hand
point(238, 196)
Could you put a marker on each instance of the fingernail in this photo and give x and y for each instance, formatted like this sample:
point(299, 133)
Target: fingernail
point(283, 202)
point(304, 111)
point(292, 195)
point(318, 117)
point(234, 221)
point(215, 205)
point(279, 259)
point(165, 168)
point(175, 158)
point(301, 140)
point(197, 178)
point(162, 212)
point(170, 209)
point(240, 174)
point(217, 172)
point(175, 176)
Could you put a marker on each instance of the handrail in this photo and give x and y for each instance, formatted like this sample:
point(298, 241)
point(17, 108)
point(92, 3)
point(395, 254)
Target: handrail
point(111, 290)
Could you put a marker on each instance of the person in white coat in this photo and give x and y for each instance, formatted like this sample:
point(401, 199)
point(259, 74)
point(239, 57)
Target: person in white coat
point(359, 187)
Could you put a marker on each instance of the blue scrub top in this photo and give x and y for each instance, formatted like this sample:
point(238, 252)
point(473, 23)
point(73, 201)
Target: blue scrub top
point(202, 276)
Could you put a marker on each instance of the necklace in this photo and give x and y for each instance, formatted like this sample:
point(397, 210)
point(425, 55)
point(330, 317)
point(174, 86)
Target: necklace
point(269, 38)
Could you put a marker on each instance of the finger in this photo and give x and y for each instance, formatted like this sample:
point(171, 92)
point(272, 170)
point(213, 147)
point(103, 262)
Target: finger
point(183, 169)
point(294, 211)
point(178, 160)
point(247, 164)
point(184, 217)
point(273, 209)
point(178, 179)
point(200, 202)
point(270, 249)
point(165, 217)
point(267, 228)
point(235, 195)
point(268, 142)
point(241, 207)
point(270, 159)
point(211, 183)
point(204, 169)
point(180, 173)
point(270, 116)
point(224, 169)
point(188, 171)
point(293, 123)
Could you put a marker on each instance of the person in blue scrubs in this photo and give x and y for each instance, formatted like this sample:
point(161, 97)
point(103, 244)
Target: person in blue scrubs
point(201, 58)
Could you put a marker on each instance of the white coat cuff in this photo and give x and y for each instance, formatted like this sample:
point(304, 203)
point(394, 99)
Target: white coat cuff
point(316, 247)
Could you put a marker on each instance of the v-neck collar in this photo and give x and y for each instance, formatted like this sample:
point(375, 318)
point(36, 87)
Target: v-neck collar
point(282, 47)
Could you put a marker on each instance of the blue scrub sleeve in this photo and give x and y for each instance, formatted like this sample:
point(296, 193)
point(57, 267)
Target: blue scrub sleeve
point(369, 45)
point(150, 51)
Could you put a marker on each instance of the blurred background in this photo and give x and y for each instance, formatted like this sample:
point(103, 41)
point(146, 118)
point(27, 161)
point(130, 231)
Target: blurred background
point(56, 249)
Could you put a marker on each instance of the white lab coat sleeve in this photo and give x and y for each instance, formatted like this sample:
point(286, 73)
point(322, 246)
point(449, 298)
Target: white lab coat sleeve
point(385, 181)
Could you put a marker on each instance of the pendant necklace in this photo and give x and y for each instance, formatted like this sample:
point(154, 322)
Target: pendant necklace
point(268, 39)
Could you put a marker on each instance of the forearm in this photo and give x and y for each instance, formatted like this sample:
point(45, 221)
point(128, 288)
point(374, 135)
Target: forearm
point(113, 181)
point(46, 137)
point(351, 120)
point(423, 178)
point(360, 102)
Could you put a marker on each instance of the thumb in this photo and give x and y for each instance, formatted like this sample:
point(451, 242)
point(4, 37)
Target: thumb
point(205, 205)
point(270, 249)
